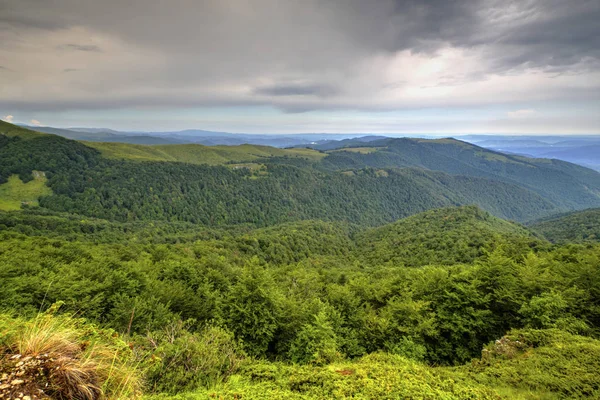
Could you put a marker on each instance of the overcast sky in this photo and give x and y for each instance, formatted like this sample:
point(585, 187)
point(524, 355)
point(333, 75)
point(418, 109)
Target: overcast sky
point(277, 66)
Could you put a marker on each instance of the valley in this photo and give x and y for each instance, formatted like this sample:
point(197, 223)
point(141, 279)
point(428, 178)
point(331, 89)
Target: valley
point(395, 268)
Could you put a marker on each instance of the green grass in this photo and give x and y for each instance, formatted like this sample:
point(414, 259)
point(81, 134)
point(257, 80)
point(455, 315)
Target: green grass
point(199, 154)
point(360, 150)
point(14, 193)
point(187, 153)
point(446, 141)
point(495, 157)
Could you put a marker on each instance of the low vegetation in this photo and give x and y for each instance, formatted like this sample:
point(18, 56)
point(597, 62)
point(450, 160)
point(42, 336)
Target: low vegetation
point(64, 358)
point(297, 311)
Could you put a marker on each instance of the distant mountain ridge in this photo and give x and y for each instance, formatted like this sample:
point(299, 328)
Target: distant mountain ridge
point(365, 181)
point(565, 184)
point(199, 136)
point(580, 150)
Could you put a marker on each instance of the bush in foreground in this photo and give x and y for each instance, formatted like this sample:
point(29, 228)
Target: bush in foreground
point(64, 358)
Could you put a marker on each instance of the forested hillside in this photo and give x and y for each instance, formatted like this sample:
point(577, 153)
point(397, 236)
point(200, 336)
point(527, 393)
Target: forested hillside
point(578, 227)
point(316, 309)
point(468, 234)
point(370, 272)
point(566, 185)
point(264, 186)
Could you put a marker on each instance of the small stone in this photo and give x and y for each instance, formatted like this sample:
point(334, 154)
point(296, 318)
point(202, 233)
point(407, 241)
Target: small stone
point(26, 397)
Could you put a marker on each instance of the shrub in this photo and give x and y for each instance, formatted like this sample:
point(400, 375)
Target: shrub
point(182, 360)
point(550, 363)
point(316, 343)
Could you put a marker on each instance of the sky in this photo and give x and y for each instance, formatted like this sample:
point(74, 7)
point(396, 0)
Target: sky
point(276, 66)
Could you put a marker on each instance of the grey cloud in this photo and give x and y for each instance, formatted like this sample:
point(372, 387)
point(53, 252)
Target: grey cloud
point(297, 90)
point(218, 43)
point(81, 47)
point(22, 16)
point(564, 34)
point(540, 33)
point(532, 33)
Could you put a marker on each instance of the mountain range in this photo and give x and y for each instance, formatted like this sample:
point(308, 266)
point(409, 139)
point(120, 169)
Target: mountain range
point(582, 150)
point(368, 181)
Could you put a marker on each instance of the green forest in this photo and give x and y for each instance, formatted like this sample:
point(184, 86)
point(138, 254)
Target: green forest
point(309, 274)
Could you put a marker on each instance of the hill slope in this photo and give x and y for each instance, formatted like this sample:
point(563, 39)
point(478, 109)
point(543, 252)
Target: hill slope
point(588, 155)
point(197, 153)
point(10, 130)
point(566, 185)
point(580, 226)
point(104, 136)
point(376, 183)
point(441, 236)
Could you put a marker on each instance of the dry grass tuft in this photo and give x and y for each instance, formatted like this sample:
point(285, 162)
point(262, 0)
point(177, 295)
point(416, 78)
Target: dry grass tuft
point(64, 358)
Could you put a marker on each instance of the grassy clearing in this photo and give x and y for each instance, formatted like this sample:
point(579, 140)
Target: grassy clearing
point(495, 157)
point(15, 193)
point(199, 154)
point(11, 130)
point(259, 169)
point(361, 150)
point(446, 141)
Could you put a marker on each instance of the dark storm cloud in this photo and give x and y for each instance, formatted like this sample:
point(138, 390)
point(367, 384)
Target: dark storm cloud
point(557, 35)
point(534, 32)
point(540, 33)
point(194, 52)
